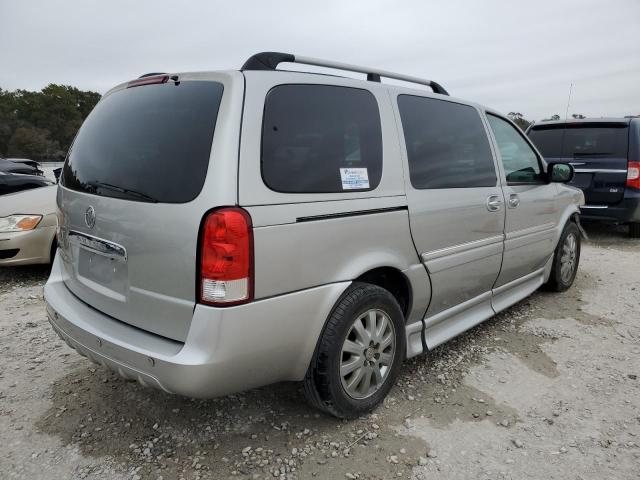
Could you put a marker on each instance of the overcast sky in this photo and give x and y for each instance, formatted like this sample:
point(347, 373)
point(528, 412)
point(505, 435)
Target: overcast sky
point(510, 55)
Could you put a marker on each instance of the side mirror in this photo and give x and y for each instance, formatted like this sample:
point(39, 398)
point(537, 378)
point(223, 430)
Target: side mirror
point(56, 173)
point(560, 172)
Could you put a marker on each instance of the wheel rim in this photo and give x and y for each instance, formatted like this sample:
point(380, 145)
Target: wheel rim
point(367, 354)
point(568, 257)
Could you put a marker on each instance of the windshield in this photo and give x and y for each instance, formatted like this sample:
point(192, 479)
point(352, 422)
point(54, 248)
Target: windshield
point(149, 143)
point(557, 141)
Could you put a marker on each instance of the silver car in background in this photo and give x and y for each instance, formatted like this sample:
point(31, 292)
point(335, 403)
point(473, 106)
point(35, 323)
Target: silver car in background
point(220, 231)
point(28, 225)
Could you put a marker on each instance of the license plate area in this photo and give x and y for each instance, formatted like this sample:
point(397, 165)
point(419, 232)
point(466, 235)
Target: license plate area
point(105, 275)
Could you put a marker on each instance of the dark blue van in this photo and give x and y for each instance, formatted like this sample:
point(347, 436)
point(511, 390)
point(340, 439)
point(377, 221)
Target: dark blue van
point(605, 153)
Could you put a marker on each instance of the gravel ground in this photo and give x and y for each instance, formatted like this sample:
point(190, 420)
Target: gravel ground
point(547, 389)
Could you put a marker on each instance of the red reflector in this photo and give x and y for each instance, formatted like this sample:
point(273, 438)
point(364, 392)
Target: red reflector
point(226, 257)
point(148, 81)
point(633, 175)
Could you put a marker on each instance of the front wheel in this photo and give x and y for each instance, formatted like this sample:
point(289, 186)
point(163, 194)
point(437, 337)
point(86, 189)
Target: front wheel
point(359, 354)
point(565, 260)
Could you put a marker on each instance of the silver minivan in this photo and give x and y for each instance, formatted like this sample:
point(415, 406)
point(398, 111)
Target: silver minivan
point(220, 231)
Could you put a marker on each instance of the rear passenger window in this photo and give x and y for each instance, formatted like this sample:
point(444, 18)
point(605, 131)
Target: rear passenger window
point(321, 139)
point(447, 144)
point(521, 164)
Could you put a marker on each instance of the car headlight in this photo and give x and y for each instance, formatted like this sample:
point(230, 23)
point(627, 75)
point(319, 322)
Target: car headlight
point(19, 223)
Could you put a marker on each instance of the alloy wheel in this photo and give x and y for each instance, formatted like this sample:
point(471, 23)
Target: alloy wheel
point(568, 257)
point(367, 354)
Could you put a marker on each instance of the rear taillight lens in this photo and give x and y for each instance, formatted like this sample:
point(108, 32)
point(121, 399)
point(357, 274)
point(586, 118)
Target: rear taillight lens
point(226, 257)
point(633, 175)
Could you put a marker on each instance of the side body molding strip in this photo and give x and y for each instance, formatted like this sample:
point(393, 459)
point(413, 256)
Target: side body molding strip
point(450, 257)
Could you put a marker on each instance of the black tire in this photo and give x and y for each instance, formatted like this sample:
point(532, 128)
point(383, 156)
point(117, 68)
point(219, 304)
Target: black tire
point(556, 283)
point(634, 230)
point(323, 384)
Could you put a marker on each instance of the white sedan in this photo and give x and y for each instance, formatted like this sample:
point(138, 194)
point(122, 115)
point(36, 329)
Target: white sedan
point(28, 226)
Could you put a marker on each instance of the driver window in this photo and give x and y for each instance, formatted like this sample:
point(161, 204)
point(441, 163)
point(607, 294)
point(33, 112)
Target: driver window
point(520, 161)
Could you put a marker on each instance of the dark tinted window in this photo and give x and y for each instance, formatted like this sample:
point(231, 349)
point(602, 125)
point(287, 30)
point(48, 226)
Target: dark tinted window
point(581, 140)
point(146, 143)
point(447, 144)
point(520, 161)
point(320, 139)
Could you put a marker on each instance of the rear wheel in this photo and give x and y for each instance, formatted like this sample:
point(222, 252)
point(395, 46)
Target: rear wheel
point(634, 230)
point(359, 354)
point(565, 260)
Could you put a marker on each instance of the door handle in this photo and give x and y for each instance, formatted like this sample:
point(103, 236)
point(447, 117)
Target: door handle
point(514, 200)
point(493, 203)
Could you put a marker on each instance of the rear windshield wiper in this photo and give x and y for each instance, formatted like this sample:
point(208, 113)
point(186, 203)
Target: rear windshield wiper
point(126, 191)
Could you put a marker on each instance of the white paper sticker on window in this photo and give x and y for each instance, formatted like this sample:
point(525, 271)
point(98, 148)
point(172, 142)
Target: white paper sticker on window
point(354, 178)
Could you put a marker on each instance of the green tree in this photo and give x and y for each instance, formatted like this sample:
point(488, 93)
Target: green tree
point(42, 124)
point(518, 119)
point(33, 143)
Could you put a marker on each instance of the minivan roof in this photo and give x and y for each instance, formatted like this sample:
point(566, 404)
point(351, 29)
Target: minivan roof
point(268, 61)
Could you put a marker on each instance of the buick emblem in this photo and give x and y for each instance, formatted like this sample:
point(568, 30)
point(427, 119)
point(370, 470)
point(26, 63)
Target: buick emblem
point(90, 217)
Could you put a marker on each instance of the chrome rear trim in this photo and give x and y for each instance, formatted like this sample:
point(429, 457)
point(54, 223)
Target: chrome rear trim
point(98, 245)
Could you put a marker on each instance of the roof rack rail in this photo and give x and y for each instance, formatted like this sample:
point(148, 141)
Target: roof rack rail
point(270, 60)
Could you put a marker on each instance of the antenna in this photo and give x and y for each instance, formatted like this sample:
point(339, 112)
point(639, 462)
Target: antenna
point(566, 115)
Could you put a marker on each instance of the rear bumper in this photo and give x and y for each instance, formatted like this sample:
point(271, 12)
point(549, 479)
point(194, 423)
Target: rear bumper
point(628, 210)
point(34, 246)
point(227, 349)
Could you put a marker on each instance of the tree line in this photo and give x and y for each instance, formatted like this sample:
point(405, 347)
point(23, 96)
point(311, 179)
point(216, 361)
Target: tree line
point(41, 125)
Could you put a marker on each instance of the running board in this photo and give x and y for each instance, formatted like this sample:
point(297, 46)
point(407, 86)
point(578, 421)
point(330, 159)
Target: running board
point(512, 292)
point(446, 325)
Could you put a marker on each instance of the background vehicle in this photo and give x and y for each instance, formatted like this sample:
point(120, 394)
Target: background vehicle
point(28, 225)
point(296, 226)
point(23, 167)
point(13, 182)
point(37, 168)
point(606, 155)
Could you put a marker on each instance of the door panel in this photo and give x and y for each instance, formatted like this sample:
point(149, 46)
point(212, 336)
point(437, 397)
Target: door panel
point(532, 208)
point(529, 230)
point(459, 240)
point(456, 205)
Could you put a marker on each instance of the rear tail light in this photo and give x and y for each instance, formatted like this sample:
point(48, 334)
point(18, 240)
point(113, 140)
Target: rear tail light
point(633, 175)
point(226, 258)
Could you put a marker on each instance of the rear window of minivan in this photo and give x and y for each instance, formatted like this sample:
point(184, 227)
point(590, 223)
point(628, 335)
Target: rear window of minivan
point(147, 143)
point(584, 139)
